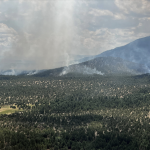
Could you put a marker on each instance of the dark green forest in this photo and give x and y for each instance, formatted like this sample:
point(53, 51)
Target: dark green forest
point(75, 112)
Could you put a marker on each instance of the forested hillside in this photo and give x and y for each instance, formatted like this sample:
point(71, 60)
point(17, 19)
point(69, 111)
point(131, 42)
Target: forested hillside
point(100, 65)
point(75, 112)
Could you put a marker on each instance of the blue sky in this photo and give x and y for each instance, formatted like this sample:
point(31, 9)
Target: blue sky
point(47, 34)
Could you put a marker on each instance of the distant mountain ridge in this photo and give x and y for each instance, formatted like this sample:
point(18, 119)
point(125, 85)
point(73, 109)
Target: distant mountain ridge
point(137, 51)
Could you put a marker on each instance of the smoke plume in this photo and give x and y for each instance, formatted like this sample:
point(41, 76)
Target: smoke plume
point(80, 70)
point(48, 38)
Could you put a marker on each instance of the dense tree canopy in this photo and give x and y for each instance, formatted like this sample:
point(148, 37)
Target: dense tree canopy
point(75, 112)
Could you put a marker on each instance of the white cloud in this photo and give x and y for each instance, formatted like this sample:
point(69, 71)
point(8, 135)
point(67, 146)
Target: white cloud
point(137, 6)
point(5, 29)
point(99, 12)
point(104, 39)
point(7, 37)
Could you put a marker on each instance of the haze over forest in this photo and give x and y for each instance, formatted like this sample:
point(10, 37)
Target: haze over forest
point(50, 34)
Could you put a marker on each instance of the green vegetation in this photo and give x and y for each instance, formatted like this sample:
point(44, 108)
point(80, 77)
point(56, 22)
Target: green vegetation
point(75, 112)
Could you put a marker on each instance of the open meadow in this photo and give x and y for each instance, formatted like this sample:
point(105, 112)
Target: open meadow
point(7, 110)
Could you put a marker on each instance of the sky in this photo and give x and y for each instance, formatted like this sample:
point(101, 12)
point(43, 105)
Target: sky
point(45, 34)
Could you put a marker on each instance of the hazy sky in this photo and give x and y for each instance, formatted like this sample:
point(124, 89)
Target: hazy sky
point(43, 34)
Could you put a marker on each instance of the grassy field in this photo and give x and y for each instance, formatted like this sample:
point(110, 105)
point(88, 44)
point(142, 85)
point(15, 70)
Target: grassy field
point(7, 110)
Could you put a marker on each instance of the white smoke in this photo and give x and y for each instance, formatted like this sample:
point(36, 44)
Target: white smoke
point(81, 70)
point(33, 72)
point(9, 72)
point(13, 72)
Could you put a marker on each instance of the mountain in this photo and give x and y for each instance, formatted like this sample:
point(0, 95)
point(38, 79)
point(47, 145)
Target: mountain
point(137, 51)
point(100, 66)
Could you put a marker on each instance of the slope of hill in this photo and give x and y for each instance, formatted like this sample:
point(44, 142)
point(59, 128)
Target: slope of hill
point(100, 66)
point(137, 51)
point(107, 66)
point(50, 72)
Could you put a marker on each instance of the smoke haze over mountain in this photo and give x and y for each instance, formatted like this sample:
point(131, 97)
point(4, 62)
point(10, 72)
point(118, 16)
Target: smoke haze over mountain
point(49, 34)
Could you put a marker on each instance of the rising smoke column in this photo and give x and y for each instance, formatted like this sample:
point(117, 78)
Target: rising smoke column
point(47, 36)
